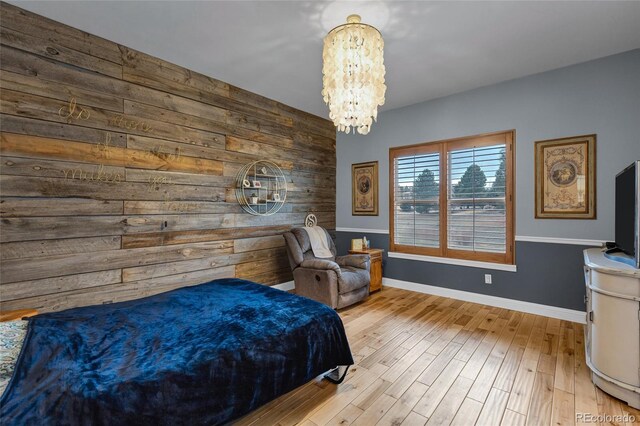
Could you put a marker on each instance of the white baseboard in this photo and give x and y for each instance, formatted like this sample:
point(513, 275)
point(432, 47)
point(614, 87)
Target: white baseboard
point(500, 302)
point(288, 286)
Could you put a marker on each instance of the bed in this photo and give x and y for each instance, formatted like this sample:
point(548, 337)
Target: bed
point(205, 354)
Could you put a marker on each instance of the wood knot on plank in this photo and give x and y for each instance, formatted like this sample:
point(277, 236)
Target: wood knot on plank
point(52, 51)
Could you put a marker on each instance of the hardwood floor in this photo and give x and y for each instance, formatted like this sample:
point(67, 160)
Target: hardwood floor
point(424, 359)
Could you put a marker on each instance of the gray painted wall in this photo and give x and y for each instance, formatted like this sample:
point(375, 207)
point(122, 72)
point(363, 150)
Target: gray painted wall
point(548, 274)
point(601, 96)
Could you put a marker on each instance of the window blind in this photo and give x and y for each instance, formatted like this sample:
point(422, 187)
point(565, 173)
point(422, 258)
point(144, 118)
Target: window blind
point(476, 203)
point(416, 196)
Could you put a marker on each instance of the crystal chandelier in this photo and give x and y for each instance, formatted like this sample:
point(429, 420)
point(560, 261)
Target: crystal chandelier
point(353, 75)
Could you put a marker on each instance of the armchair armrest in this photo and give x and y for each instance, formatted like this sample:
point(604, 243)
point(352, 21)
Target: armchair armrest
point(321, 264)
point(361, 261)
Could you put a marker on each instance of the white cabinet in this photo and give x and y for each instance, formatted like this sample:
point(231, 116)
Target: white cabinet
point(613, 326)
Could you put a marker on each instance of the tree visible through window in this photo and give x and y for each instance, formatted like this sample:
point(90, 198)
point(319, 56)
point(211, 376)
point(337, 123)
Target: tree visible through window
point(426, 189)
point(471, 183)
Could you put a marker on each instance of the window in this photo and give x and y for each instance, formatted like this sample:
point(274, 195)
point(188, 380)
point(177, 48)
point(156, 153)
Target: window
point(454, 198)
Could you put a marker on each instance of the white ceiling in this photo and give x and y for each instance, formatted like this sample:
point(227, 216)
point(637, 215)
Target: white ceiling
point(432, 49)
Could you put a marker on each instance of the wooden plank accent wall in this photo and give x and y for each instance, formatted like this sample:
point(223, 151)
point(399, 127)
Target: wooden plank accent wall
point(117, 171)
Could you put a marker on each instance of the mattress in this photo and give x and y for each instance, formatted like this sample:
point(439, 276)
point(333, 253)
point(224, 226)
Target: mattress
point(208, 353)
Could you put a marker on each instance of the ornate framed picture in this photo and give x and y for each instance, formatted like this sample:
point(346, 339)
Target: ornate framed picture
point(566, 178)
point(364, 180)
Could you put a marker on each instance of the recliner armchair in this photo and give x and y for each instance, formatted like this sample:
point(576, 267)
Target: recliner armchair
point(338, 281)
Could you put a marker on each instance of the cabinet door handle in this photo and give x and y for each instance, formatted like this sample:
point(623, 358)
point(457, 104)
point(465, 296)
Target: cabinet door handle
point(591, 316)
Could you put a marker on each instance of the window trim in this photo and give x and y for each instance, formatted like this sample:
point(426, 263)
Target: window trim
point(443, 147)
point(453, 261)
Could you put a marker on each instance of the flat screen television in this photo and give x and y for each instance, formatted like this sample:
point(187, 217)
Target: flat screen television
point(628, 213)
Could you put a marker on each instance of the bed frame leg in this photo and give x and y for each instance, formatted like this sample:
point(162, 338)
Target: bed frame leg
point(334, 375)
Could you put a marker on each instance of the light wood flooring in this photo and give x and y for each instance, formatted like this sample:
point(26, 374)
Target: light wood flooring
point(424, 359)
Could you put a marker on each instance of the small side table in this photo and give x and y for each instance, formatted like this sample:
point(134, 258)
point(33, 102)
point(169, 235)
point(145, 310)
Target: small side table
point(376, 267)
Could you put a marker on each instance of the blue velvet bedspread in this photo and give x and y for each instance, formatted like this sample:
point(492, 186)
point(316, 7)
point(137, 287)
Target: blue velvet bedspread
point(197, 355)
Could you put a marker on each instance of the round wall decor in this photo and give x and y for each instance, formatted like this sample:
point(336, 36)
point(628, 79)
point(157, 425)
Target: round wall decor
point(261, 188)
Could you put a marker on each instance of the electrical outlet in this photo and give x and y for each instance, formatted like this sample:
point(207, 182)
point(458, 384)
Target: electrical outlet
point(487, 278)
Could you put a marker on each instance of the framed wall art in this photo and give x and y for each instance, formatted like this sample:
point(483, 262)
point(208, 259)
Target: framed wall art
point(565, 177)
point(364, 180)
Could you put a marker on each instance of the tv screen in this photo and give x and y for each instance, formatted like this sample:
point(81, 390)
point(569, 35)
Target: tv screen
point(626, 214)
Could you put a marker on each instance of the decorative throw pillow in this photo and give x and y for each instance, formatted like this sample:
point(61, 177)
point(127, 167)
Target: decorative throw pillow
point(12, 334)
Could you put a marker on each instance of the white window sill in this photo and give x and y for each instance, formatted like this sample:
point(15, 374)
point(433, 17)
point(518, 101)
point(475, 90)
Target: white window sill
point(451, 261)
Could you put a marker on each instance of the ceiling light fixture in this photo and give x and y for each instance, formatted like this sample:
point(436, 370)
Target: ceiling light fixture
point(353, 75)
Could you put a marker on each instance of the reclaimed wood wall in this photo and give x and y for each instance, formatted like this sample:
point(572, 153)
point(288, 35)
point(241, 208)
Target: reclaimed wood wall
point(118, 169)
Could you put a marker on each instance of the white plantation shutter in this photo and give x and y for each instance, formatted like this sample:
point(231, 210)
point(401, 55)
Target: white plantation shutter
point(417, 205)
point(476, 210)
point(454, 198)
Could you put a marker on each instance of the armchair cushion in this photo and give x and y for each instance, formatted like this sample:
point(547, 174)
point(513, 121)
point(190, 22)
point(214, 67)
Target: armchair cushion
point(352, 279)
point(305, 244)
point(303, 239)
point(321, 264)
point(361, 261)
